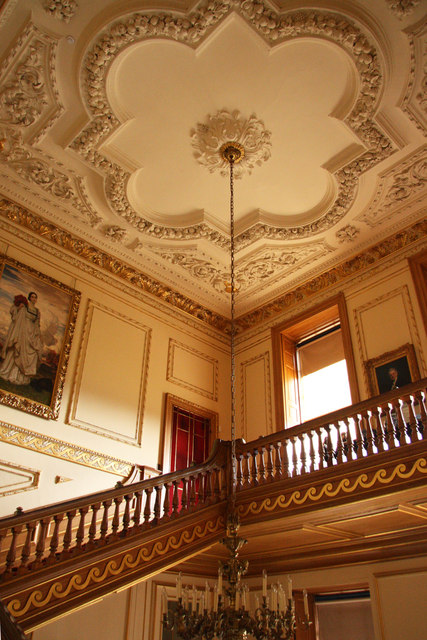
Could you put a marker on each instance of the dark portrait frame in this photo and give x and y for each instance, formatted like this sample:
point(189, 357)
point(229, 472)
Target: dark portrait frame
point(58, 305)
point(403, 359)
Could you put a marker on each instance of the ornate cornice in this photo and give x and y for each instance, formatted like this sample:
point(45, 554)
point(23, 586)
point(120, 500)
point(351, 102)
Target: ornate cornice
point(191, 30)
point(64, 239)
point(63, 450)
point(84, 250)
point(340, 273)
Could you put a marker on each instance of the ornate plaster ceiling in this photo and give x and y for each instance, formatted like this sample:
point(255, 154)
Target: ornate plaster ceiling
point(112, 114)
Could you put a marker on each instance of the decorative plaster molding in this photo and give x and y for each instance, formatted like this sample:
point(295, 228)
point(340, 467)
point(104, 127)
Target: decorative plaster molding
point(265, 359)
point(174, 376)
point(224, 127)
point(63, 450)
point(61, 9)
point(191, 30)
point(334, 276)
point(415, 100)
point(404, 183)
point(348, 233)
point(402, 8)
point(75, 419)
point(84, 250)
point(26, 479)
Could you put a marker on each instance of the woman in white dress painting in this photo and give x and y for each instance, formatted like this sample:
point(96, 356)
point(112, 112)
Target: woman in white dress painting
point(22, 349)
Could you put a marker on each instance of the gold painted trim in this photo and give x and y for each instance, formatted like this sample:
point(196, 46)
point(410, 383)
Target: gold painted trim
point(314, 494)
point(63, 450)
point(36, 224)
point(112, 569)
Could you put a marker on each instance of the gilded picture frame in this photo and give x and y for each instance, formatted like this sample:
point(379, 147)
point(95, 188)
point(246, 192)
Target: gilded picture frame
point(392, 370)
point(37, 321)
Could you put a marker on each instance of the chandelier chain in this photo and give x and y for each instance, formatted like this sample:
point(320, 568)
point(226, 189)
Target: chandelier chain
point(233, 335)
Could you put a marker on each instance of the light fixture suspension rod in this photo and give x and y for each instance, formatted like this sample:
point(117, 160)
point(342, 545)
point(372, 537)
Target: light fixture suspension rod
point(233, 335)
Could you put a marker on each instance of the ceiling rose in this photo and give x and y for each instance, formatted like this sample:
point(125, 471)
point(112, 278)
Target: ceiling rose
point(224, 127)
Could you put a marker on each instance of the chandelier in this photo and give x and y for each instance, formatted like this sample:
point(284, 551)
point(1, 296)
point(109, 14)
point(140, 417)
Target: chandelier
point(224, 613)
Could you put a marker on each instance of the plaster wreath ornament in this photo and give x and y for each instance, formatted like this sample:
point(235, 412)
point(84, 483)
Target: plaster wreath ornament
point(208, 137)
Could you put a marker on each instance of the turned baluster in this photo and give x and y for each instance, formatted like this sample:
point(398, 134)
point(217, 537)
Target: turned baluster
point(175, 499)
point(11, 554)
point(137, 511)
point(367, 431)
point(116, 517)
point(411, 422)
point(184, 494)
point(359, 437)
point(254, 468)
point(157, 504)
point(327, 446)
point(348, 443)
point(340, 447)
point(166, 502)
point(419, 397)
point(216, 485)
point(41, 541)
point(400, 428)
point(54, 541)
point(126, 515)
point(285, 460)
point(378, 428)
point(104, 524)
point(26, 549)
point(147, 507)
point(246, 470)
point(192, 493)
point(69, 531)
point(295, 470)
point(81, 529)
point(92, 528)
point(239, 474)
point(311, 451)
point(261, 466)
point(269, 465)
point(277, 460)
point(201, 489)
point(209, 487)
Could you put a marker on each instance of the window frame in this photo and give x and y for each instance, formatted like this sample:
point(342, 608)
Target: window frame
point(293, 330)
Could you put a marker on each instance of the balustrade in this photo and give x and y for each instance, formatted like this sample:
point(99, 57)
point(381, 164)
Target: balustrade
point(44, 536)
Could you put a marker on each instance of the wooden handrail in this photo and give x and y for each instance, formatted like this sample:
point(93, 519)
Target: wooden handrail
point(40, 537)
point(43, 536)
point(384, 422)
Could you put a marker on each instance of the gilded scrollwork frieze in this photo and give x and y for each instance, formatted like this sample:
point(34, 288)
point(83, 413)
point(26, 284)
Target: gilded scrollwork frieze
point(87, 578)
point(47, 445)
point(331, 489)
point(191, 29)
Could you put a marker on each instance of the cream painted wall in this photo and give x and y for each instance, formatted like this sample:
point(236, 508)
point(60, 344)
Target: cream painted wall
point(398, 592)
point(383, 315)
point(128, 351)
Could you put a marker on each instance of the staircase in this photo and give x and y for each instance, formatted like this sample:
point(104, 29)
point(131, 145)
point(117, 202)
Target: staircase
point(59, 557)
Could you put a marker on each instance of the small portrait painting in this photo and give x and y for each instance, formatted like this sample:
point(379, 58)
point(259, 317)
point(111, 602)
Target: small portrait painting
point(37, 316)
point(392, 370)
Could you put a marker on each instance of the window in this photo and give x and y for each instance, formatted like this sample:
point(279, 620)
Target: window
point(314, 371)
point(344, 615)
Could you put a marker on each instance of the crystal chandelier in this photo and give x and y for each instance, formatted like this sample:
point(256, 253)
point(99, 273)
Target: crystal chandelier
point(225, 615)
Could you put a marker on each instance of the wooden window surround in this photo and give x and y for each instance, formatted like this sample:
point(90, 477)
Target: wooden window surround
point(173, 402)
point(286, 335)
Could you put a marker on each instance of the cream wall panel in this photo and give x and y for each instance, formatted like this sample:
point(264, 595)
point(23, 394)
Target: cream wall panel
point(256, 396)
point(192, 369)
point(16, 478)
point(401, 605)
point(109, 395)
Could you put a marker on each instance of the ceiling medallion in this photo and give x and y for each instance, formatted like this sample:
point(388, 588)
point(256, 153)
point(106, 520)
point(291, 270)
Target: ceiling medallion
point(211, 139)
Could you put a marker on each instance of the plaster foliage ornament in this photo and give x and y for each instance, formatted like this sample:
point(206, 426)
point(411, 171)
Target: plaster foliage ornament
point(405, 183)
point(115, 233)
point(208, 137)
point(38, 171)
point(200, 268)
point(192, 29)
point(61, 9)
point(23, 94)
point(402, 8)
point(348, 233)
